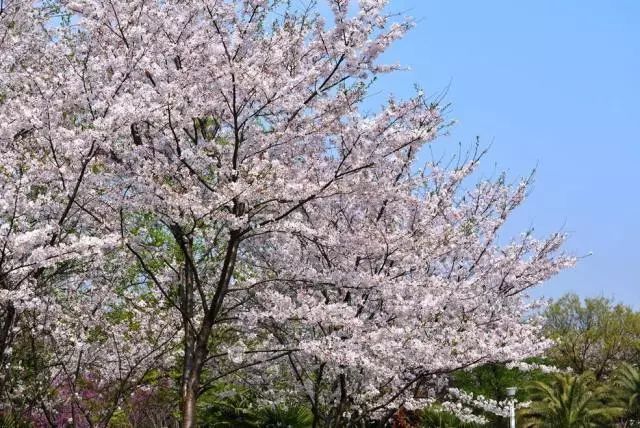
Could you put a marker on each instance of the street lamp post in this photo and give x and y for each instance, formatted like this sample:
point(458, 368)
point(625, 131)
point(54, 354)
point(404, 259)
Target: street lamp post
point(511, 393)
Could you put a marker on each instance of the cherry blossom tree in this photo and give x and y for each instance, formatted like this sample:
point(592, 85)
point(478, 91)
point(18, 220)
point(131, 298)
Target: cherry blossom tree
point(47, 238)
point(412, 287)
point(220, 150)
point(58, 298)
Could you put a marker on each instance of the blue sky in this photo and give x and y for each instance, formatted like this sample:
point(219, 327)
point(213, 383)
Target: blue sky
point(553, 85)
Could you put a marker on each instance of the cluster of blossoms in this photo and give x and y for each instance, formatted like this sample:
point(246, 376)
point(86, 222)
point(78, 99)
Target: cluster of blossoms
point(197, 184)
point(499, 408)
point(465, 406)
point(527, 367)
point(463, 413)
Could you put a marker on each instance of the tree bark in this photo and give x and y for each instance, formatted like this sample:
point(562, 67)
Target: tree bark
point(191, 381)
point(196, 350)
point(5, 328)
point(190, 399)
point(5, 340)
point(188, 393)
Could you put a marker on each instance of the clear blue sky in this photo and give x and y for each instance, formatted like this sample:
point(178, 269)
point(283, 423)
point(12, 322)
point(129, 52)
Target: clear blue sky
point(553, 84)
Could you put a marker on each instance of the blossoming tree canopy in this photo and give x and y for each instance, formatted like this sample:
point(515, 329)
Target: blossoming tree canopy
point(218, 153)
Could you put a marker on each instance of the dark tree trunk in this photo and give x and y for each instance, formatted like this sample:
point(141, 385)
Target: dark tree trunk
point(196, 343)
point(190, 399)
point(5, 340)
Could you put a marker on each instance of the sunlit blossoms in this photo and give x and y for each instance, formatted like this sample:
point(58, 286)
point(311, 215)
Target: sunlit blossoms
point(527, 367)
point(198, 186)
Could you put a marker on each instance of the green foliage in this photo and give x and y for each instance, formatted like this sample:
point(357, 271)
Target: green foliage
point(592, 335)
point(240, 408)
point(627, 383)
point(569, 402)
point(492, 380)
point(294, 416)
point(119, 419)
point(437, 418)
point(226, 406)
point(10, 420)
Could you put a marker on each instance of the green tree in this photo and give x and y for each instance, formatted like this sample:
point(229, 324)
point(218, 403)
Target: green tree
point(568, 402)
point(437, 418)
point(627, 383)
point(594, 335)
point(492, 380)
point(242, 409)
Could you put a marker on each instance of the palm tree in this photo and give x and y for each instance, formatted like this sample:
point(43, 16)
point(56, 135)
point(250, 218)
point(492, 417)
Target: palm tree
point(627, 381)
point(438, 418)
point(242, 411)
point(10, 420)
point(294, 416)
point(568, 402)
